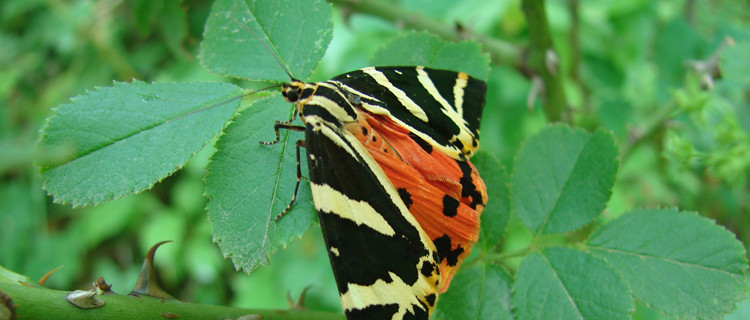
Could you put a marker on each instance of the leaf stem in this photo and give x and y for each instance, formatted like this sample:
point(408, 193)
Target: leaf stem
point(500, 51)
point(510, 255)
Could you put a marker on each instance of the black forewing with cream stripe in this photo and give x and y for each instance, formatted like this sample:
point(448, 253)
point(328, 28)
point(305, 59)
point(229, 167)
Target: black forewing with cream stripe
point(442, 107)
point(384, 264)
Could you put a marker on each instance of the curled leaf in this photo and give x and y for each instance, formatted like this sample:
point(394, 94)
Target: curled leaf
point(102, 287)
point(84, 299)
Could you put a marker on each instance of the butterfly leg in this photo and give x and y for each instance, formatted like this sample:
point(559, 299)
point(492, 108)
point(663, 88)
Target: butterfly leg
point(300, 144)
point(286, 125)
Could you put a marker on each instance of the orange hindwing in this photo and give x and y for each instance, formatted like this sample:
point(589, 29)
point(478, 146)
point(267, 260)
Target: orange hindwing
point(445, 195)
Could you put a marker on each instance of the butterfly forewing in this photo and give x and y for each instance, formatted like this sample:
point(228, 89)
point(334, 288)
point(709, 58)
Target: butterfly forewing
point(441, 107)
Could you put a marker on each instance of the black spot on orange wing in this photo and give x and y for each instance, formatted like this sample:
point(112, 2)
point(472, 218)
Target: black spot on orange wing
point(468, 188)
point(364, 131)
point(450, 206)
point(406, 197)
point(443, 246)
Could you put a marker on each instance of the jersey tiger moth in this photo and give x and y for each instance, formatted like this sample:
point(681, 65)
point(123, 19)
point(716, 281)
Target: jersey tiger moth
point(397, 200)
point(396, 210)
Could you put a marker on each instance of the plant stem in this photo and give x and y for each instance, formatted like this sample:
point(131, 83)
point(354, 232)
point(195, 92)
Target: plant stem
point(42, 303)
point(540, 47)
point(501, 52)
point(649, 129)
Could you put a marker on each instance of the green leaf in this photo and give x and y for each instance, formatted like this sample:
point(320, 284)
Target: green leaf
point(562, 283)
point(298, 32)
point(425, 49)
point(563, 178)
point(678, 263)
point(495, 215)
point(125, 138)
point(478, 292)
point(248, 184)
point(8, 276)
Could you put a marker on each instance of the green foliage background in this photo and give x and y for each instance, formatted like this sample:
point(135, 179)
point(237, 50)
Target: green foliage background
point(636, 68)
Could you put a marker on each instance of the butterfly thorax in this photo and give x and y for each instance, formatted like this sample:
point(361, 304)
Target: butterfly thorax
point(322, 100)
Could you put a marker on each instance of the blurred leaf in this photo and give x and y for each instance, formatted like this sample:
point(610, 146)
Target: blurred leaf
point(675, 43)
point(481, 291)
point(563, 178)
point(495, 216)
point(201, 257)
point(52, 250)
point(298, 32)
point(424, 49)
point(187, 195)
point(22, 217)
point(248, 184)
point(678, 263)
point(99, 223)
point(127, 137)
point(562, 283)
point(145, 13)
point(174, 26)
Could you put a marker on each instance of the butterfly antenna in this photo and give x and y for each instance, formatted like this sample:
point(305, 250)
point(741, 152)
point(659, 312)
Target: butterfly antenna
point(227, 101)
point(283, 66)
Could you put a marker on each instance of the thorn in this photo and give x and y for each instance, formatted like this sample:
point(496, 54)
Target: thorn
point(102, 287)
point(551, 61)
point(707, 82)
point(147, 283)
point(537, 87)
point(44, 278)
point(299, 305)
point(84, 299)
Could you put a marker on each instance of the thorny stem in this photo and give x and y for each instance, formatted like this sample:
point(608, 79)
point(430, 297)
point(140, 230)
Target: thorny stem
point(32, 302)
point(540, 45)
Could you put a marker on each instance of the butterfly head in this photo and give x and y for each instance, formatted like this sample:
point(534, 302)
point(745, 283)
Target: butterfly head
point(297, 91)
